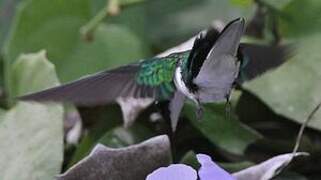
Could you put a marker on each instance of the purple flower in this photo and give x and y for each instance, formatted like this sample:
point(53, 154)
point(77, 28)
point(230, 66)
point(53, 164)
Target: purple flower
point(211, 171)
point(208, 171)
point(173, 172)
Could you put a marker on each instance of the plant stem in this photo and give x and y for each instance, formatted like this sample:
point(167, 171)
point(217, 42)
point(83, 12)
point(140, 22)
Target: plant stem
point(303, 126)
point(112, 8)
point(87, 30)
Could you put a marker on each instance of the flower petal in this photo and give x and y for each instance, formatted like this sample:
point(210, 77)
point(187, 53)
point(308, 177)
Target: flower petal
point(210, 171)
point(173, 172)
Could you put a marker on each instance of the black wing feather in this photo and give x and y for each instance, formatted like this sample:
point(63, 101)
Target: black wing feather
point(201, 47)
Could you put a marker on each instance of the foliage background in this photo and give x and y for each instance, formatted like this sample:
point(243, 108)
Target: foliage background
point(266, 113)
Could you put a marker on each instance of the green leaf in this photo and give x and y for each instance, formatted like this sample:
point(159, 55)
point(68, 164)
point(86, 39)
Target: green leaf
point(31, 134)
point(128, 2)
point(298, 21)
point(55, 26)
point(104, 119)
point(50, 25)
point(278, 4)
point(113, 45)
point(190, 159)
point(31, 142)
point(33, 72)
point(122, 137)
point(222, 129)
point(293, 90)
point(242, 2)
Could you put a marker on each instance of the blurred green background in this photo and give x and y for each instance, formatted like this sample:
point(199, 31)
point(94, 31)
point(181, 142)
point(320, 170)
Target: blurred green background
point(47, 42)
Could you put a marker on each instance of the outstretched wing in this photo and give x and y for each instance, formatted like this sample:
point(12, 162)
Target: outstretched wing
point(221, 67)
point(257, 59)
point(152, 78)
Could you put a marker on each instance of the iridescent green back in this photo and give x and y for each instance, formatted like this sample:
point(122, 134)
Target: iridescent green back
point(159, 73)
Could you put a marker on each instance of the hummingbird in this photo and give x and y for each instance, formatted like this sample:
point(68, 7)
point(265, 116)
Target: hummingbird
point(206, 73)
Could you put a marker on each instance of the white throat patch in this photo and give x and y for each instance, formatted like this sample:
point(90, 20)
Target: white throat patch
point(179, 83)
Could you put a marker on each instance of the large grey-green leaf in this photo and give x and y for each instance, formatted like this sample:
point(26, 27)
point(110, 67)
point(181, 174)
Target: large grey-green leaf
point(222, 129)
point(55, 26)
point(301, 18)
point(293, 90)
point(31, 134)
point(133, 162)
point(31, 142)
point(32, 72)
point(190, 159)
point(267, 169)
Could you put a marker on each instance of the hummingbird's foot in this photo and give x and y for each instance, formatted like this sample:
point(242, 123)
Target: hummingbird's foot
point(199, 112)
point(199, 109)
point(228, 107)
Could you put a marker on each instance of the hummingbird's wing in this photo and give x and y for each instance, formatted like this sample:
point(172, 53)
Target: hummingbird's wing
point(202, 46)
point(257, 59)
point(221, 67)
point(151, 78)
